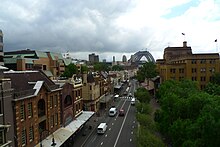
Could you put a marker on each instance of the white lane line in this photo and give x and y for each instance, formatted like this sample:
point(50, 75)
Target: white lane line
point(112, 123)
point(101, 143)
point(109, 129)
point(133, 127)
point(121, 127)
point(130, 140)
point(94, 139)
point(134, 121)
point(106, 135)
point(132, 132)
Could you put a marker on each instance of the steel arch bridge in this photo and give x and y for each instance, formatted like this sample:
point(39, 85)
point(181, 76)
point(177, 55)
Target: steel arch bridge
point(138, 55)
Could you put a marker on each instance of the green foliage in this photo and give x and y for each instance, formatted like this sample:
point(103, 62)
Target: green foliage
point(148, 70)
point(84, 69)
point(143, 108)
point(188, 117)
point(117, 68)
point(212, 88)
point(70, 70)
point(216, 79)
point(147, 139)
point(100, 66)
point(142, 95)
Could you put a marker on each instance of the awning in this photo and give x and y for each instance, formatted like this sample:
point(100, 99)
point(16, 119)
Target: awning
point(63, 133)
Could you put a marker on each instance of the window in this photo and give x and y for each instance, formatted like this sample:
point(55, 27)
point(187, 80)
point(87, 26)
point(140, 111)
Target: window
point(51, 101)
point(203, 61)
point(202, 70)
point(22, 111)
point(30, 109)
point(23, 137)
point(212, 61)
point(194, 79)
point(172, 70)
point(55, 100)
point(181, 70)
point(193, 61)
point(194, 70)
point(0, 107)
point(90, 87)
point(2, 137)
point(202, 78)
point(44, 67)
point(56, 119)
point(31, 134)
point(52, 121)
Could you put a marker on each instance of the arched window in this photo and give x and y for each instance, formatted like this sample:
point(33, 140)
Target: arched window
point(67, 101)
point(41, 108)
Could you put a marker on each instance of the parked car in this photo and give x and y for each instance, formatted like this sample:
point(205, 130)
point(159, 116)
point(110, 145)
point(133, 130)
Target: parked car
point(121, 112)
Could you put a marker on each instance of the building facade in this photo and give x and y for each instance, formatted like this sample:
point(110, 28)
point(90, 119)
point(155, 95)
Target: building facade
point(52, 64)
point(93, 58)
point(6, 112)
point(1, 49)
point(180, 63)
point(36, 106)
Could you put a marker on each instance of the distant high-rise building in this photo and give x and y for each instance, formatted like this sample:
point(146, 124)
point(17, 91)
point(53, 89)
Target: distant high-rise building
point(1, 48)
point(113, 58)
point(93, 58)
point(124, 58)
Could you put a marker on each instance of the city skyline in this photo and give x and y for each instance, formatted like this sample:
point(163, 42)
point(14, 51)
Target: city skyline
point(110, 28)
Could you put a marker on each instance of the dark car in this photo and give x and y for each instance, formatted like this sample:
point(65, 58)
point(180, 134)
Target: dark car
point(121, 112)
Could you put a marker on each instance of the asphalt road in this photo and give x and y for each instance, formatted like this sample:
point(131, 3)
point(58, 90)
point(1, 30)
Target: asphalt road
point(121, 129)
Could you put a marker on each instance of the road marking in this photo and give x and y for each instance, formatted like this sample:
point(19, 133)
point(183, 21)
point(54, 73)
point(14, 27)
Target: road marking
point(132, 132)
point(112, 123)
point(121, 127)
point(101, 143)
point(106, 135)
point(134, 121)
point(130, 140)
point(109, 129)
point(94, 139)
point(133, 127)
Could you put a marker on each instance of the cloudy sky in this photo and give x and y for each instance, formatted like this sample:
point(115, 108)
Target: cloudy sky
point(110, 27)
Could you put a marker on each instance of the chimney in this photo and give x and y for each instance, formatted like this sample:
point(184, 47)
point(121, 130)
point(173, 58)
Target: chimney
point(184, 44)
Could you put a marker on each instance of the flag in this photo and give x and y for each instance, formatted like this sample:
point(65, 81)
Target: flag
point(183, 33)
point(215, 40)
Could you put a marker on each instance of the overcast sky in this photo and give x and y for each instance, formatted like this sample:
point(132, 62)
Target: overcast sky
point(110, 27)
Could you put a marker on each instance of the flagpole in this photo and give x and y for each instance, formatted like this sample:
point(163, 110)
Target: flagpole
point(216, 41)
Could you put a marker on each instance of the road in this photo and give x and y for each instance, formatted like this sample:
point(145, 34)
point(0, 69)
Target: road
point(121, 129)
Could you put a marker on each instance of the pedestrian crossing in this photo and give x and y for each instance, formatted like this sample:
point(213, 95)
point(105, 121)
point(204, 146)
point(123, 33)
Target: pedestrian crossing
point(126, 97)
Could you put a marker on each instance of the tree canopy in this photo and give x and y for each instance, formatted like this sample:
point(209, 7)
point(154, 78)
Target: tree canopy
point(148, 70)
point(188, 116)
point(70, 70)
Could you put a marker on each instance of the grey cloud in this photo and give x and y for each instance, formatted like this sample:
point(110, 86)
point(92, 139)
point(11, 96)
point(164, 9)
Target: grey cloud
point(86, 26)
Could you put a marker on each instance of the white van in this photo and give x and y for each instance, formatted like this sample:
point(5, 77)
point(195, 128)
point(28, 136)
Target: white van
point(133, 101)
point(112, 112)
point(102, 128)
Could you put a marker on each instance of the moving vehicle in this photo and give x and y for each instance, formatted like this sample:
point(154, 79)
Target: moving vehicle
point(133, 101)
point(121, 112)
point(102, 128)
point(112, 111)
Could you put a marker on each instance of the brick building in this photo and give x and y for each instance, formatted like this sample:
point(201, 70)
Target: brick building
point(36, 106)
point(180, 63)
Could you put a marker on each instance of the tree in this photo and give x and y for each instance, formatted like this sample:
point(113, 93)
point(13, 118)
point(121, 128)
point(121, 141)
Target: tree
point(142, 95)
point(117, 68)
point(216, 79)
point(101, 67)
point(84, 68)
point(70, 70)
point(148, 70)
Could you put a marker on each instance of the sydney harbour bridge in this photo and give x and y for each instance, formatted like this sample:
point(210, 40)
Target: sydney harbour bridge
point(136, 58)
